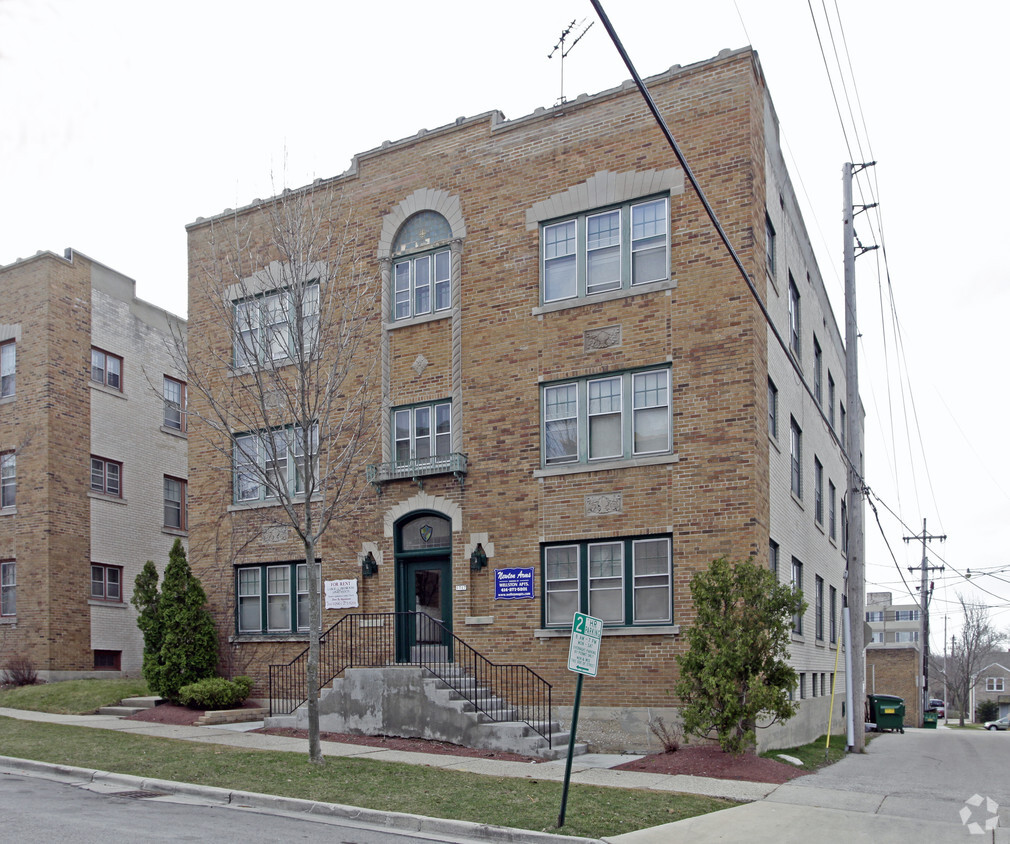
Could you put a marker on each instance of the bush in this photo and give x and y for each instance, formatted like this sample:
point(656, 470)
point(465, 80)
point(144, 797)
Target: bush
point(986, 710)
point(669, 737)
point(19, 671)
point(216, 693)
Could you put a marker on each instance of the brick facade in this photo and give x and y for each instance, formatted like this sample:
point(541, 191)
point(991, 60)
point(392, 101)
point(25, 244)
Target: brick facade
point(896, 671)
point(57, 309)
point(496, 184)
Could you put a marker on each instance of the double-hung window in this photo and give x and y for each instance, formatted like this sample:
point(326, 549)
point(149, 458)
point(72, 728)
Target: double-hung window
point(107, 369)
point(818, 492)
point(794, 317)
point(422, 435)
point(271, 464)
point(610, 418)
point(106, 582)
point(831, 400)
point(8, 366)
point(797, 584)
point(773, 409)
point(422, 285)
point(175, 503)
point(175, 403)
point(795, 458)
point(622, 581)
point(832, 517)
point(818, 607)
point(833, 609)
point(611, 249)
point(106, 476)
point(818, 371)
point(994, 684)
point(8, 479)
point(770, 246)
point(275, 326)
point(8, 588)
point(272, 598)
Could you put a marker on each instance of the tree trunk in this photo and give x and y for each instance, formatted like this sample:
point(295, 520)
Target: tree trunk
point(315, 631)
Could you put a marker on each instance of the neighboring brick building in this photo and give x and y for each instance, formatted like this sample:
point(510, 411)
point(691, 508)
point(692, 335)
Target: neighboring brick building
point(892, 625)
point(610, 409)
point(897, 670)
point(94, 461)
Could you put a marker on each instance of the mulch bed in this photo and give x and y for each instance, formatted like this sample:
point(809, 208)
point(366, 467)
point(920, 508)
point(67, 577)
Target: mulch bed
point(695, 760)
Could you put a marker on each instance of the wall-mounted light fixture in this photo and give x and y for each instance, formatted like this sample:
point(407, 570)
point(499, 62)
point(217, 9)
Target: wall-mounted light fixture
point(368, 565)
point(478, 559)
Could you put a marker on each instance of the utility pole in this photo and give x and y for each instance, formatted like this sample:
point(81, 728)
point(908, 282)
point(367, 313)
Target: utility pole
point(855, 668)
point(925, 568)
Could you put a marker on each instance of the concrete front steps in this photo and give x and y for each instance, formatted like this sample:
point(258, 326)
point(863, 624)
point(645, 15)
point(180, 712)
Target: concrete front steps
point(131, 706)
point(409, 702)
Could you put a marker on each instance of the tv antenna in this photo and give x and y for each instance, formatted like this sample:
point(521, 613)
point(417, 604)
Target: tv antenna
point(560, 47)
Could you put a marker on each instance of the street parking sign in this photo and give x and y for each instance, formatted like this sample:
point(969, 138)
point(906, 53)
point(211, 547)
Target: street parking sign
point(584, 651)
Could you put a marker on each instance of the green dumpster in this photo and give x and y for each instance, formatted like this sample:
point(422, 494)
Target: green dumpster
point(888, 712)
point(929, 719)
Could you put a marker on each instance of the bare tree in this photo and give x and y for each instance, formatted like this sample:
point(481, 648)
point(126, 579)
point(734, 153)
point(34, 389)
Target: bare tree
point(280, 384)
point(970, 653)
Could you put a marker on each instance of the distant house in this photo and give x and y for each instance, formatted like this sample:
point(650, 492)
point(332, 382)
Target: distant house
point(992, 683)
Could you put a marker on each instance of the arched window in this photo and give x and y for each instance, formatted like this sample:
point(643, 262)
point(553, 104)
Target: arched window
point(422, 277)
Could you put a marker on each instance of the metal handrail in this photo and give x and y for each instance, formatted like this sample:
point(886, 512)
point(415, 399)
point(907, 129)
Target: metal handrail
point(502, 692)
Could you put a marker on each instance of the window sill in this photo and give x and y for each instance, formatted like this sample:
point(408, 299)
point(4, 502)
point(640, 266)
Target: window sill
point(9, 511)
point(259, 505)
point(175, 432)
point(605, 465)
point(797, 500)
point(98, 602)
point(251, 638)
point(103, 496)
point(609, 296)
point(109, 391)
point(175, 532)
point(566, 632)
point(7, 399)
point(12, 620)
point(773, 441)
point(417, 320)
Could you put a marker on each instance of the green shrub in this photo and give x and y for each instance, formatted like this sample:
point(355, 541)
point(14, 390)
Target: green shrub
point(216, 693)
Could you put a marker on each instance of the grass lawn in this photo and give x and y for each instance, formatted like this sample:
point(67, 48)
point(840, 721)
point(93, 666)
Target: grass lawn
point(814, 755)
point(71, 697)
point(525, 803)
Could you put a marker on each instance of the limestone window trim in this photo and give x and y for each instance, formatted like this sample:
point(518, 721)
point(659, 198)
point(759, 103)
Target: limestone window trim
point(104, 496)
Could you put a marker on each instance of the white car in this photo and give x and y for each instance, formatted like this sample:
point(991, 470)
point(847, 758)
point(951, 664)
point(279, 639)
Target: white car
point(1002, 724)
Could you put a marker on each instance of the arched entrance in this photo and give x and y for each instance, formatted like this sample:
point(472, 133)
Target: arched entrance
point(423, 549)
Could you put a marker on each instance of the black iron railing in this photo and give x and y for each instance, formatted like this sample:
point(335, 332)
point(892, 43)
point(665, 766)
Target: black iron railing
point(506, 692)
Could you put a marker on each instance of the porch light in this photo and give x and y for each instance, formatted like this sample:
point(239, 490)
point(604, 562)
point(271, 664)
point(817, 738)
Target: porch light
point(478, 559)
point(368, 565)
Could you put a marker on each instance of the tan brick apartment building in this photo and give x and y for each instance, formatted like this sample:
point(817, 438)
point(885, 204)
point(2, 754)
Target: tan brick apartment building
point(94, 461)
point(574, 378)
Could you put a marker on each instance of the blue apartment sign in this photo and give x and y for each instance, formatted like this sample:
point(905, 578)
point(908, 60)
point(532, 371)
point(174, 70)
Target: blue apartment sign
point(513, 583)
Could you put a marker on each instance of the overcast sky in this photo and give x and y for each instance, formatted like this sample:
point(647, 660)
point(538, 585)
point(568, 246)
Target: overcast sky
point(121, 122)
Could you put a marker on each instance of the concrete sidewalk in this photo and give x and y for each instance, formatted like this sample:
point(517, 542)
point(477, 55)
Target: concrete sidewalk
point(770, 813)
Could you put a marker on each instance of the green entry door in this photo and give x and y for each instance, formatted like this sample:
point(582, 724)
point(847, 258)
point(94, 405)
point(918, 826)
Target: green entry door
point(426, 589)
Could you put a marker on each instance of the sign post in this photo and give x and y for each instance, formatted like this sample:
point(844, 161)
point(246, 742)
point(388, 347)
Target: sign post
point(583, 658)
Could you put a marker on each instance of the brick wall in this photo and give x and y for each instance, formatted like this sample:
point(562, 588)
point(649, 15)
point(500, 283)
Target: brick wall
point(896, 671)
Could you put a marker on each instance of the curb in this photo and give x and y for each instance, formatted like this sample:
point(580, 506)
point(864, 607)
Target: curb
point(249, 799)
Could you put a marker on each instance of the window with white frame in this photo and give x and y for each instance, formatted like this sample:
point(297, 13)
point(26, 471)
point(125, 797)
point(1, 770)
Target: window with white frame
point(797, 584)
point(833, 610)
point(906, 615)
point(877, 637)
point(610, 249)
point(8, 479)
point(275, 463)
point(770, 245)
point(773, 409)
point(272, 598)
point(831, 399)
point(818, 492)
point(106, 369)
point(8, 367)
point(818, 370)
point(625, 582)
point(994, 684)
point(174, 392)
point(818, 607)
point(874, 615)
point(794, 317)
point(615, 417)
point(106, 582)
point(906, 636)
point(106, 476)
point(795, 458)
point(273, 327)
point(832, 517)
point(422, 434)
point(8, 588)
point(422, 284)
point(773, 558)
point(174, 493)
